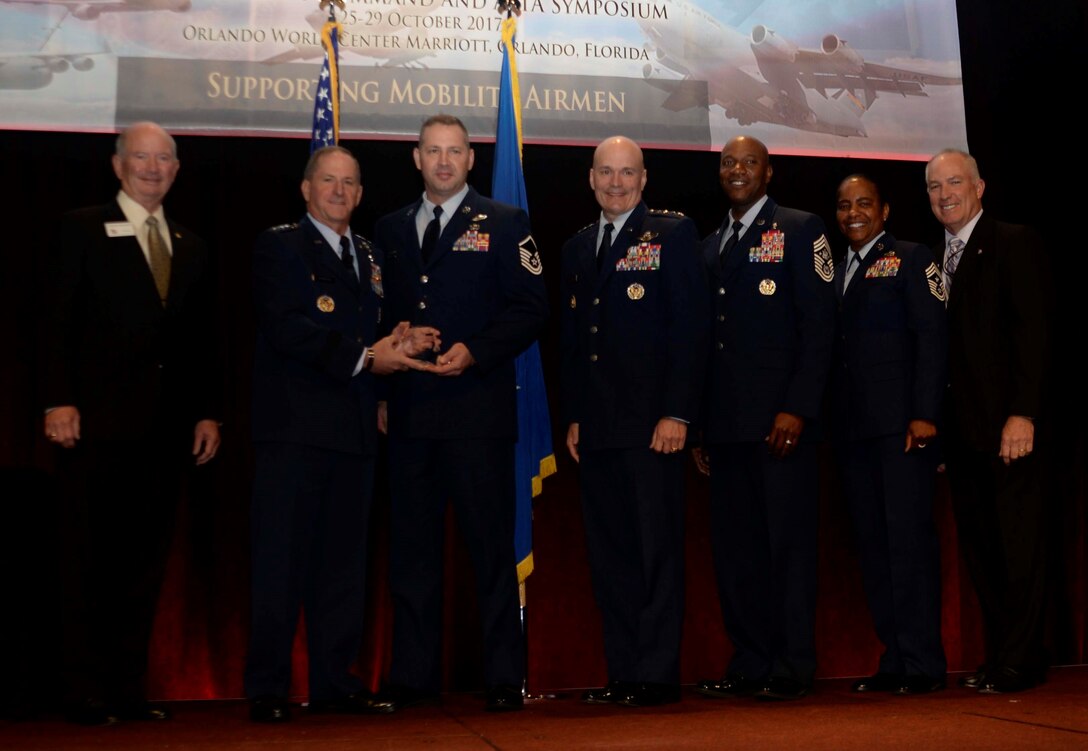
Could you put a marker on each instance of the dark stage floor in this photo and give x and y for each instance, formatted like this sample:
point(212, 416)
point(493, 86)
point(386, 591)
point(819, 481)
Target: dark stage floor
point(1053, 716)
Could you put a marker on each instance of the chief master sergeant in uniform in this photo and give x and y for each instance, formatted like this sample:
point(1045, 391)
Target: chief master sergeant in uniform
point(888, 382)
point(634, 353)
point(773, 320)
point(468, 266)
point(317, 287)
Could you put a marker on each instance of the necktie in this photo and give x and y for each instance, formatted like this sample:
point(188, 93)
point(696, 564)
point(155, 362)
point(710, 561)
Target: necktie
point(851, 269)
point(345, 255)
point(430, 235)
point(605, 246)
point(732, 241)
point(952, 258)
point(159, 257)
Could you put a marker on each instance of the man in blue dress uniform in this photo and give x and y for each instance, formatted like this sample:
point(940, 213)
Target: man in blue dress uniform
point(770, 275)
point(634, 350)
point(468, 266)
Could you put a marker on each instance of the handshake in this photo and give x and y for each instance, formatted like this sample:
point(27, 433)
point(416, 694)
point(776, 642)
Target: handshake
point(401, 350)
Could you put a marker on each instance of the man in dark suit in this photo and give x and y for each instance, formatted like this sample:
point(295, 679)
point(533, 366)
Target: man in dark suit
point(130, 381)
point(770, 275)
point(633, 339)
point(888, 380)
point(317, 287)
point(468, 266)
point(996, 275)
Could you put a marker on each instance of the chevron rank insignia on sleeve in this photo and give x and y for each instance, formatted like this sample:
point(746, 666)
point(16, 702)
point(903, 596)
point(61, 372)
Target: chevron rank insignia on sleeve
point(821, 256)
point(530, 256)
point(936, 284)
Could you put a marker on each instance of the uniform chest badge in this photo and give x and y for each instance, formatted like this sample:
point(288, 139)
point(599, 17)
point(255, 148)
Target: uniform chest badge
point(771, 249)
point(883, 267)
point(376, 279)
point(642, 257)
point(326, 304)
point(636, 291)
point(767, 287)
point(473, 241)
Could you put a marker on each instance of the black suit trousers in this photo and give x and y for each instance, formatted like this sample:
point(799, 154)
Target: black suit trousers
point(118, 503)
point(1001, 521)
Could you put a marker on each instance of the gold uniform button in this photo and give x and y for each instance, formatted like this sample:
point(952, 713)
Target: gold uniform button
point(596, 301)
point(593, 329)
point(424, 279)
point(721, 346)
point(593, 358)
point(721, 290)
point(422, 304)
point(721, 317)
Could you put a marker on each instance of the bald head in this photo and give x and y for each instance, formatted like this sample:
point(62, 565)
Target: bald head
point(618, 176)
point(744, 172)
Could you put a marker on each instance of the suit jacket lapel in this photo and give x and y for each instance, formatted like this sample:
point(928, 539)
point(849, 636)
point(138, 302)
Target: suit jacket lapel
point(127, 253)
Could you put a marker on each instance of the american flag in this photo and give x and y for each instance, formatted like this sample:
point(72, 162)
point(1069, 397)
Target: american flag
point(326, 125)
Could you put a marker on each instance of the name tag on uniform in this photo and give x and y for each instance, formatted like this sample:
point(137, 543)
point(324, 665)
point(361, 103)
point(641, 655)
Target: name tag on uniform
point(120, 229)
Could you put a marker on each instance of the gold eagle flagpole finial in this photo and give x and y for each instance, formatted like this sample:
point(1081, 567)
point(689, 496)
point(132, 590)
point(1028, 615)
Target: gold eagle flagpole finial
point(330, 4)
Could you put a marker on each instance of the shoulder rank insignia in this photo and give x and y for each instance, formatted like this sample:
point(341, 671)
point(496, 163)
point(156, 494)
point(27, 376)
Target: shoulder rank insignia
point(821, 257)
point(530, 256)
point(284, 227)
point(665, 212)
point(936, 284)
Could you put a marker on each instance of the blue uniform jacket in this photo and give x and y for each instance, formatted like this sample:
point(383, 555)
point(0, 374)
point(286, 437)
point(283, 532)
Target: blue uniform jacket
point(484, 287)
point(633, 335)
point(890, 344)
point(774, 316)
point(313, 321)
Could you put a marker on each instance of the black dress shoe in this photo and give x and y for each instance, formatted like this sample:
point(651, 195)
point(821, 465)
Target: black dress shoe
point(269, 709)
point(651, 695)
point(920, 684)
point(362, 702)
point(143, 711)
point(92, 713)
point(1008, 680)
point(401, 697)
point(729, 687)
point(878, 682)
point(612, 693)
point(973, 680)
point(504, 699)
point(781, 688)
